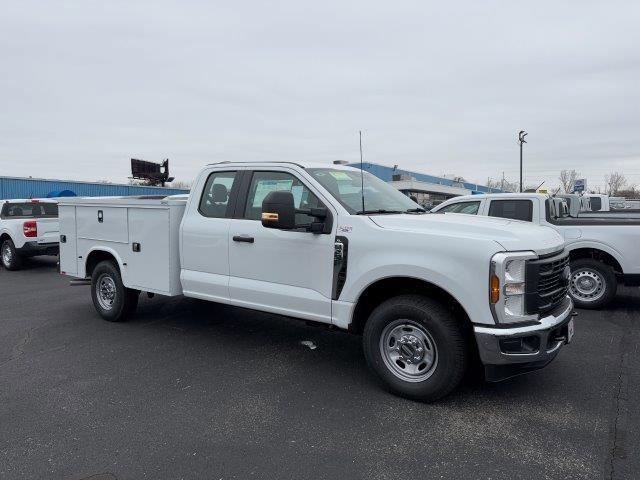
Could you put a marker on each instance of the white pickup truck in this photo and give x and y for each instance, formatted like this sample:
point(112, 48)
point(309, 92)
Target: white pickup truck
point(27, 228)
point(603, 249)
point(431, 294)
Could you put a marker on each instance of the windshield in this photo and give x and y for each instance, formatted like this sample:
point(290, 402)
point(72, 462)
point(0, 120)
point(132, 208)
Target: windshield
point(379, 196)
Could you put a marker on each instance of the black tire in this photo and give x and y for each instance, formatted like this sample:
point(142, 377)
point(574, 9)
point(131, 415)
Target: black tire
point(124, 301)
point(595, 271)
point(445, 332)
point(11, 259)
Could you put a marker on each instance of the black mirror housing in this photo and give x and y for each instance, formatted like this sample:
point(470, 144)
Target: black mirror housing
point(278, 211)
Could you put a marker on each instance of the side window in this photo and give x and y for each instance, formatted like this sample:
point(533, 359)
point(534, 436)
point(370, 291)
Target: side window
point(470, 208)
point(514, 209)
point(596, 204)
point(262, 183)
point(215, 196)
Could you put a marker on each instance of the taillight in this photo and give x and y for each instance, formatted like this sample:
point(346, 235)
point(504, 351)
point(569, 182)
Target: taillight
point(30, 229)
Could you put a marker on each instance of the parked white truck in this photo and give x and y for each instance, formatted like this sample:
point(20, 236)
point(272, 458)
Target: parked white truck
point(431, 294)
point(27, 228)
point(603, 249)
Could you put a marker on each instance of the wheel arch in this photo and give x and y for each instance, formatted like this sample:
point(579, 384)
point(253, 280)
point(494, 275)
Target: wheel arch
point(385, 288)
point(99, 254)
point(598, 254)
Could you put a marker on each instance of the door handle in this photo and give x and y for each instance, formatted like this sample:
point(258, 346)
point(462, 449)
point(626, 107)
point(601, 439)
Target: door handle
point(243, 238)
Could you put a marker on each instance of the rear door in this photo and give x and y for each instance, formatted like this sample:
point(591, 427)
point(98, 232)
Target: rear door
point(204, 245)
point(282, 271)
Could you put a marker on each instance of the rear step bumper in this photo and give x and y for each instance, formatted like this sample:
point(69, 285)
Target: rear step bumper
point(30, 249)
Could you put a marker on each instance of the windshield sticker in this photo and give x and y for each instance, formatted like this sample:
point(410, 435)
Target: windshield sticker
point(340, 176)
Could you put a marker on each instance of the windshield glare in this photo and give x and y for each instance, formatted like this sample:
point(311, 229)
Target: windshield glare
point(345, 186)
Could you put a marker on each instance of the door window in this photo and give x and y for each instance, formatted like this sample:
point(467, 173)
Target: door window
point(263, 183)
point(215, 196)
point(514, 209)
point(470, 208)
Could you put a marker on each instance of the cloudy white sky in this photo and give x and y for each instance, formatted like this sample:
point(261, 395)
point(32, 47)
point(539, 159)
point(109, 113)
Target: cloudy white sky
point(439, 87)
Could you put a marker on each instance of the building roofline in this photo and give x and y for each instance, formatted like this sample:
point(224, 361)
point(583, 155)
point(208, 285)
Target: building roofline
point(85, 182)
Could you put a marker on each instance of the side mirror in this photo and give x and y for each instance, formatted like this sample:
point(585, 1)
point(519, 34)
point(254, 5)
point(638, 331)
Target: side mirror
point(278, 211)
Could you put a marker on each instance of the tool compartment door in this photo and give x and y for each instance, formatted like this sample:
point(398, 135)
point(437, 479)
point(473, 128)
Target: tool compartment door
point(148, 267)
point(108, 224)
point(68, 241)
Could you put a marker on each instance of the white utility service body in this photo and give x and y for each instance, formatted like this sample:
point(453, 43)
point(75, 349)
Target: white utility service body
point(605, 238)
point(117, 226)
point(28, 227)
point(335, 265)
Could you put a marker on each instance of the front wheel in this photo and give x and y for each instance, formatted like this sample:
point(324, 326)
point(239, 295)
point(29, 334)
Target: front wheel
point(113, 301)
point(416, 347)
point(593, 284)
point(11, 259)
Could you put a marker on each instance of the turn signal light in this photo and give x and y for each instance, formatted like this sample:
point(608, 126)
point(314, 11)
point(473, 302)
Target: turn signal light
point(30, 229)
point(495, 289)
point(269, 217)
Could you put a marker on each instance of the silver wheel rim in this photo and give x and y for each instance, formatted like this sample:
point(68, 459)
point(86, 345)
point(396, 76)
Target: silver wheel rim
point(408, 350)
point(106, 291)
point(7, 255)
point(587, 285)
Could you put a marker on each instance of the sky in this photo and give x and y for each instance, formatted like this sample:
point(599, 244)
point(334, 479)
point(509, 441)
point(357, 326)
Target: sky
point(437, 87)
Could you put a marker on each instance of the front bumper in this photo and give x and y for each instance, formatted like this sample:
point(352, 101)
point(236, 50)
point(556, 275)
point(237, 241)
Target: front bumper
point(31, 249)
point(510, 351)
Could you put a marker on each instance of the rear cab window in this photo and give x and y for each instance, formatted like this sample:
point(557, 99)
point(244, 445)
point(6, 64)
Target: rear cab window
point(470, 208)
point(513, 209)
point(29, 210)
point(215, 200)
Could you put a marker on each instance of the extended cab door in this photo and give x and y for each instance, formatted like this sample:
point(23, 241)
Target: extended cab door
point(282, 271)
point(204, 243)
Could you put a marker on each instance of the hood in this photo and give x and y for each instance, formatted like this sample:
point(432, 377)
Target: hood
point(512, 235)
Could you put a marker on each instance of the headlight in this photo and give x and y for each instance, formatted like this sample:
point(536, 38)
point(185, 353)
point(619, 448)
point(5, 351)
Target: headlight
point(507, 286)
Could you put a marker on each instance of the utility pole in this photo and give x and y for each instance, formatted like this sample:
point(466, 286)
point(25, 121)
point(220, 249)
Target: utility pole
point(502, 184)
point(521, 140)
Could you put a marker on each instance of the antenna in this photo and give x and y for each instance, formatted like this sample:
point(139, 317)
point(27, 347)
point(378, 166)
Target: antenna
point(361, 173)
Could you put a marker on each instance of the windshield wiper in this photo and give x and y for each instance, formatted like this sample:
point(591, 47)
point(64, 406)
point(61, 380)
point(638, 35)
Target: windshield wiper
point(380, 210)
point(416, 210)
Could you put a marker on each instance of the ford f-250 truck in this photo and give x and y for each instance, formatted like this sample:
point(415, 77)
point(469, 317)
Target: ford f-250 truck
point(27, 228)
point(603, 248)
point(430, 294)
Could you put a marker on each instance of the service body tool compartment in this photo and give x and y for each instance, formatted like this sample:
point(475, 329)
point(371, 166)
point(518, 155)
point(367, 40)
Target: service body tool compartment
point(68, 240)
point(142, 234)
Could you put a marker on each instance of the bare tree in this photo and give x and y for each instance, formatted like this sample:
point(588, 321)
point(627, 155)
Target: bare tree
point(503, 184)
point(568, 180)
point(180, 184)
point(614, 182)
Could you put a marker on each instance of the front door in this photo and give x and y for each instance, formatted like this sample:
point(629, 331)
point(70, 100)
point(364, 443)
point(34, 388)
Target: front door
point(282, 271)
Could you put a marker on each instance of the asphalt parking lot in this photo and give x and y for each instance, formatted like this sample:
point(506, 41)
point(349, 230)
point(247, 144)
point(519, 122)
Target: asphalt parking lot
point(203, 391)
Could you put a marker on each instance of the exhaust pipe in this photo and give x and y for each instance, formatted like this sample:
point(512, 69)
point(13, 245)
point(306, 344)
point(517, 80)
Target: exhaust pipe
point(80, 282)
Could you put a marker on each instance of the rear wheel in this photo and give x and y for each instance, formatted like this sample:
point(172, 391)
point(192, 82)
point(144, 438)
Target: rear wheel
point(416, 347)
point(11, 259)
point(113, 301)
point(593, 283)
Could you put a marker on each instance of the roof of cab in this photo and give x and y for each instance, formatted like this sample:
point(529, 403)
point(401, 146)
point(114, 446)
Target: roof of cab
point(301, 164)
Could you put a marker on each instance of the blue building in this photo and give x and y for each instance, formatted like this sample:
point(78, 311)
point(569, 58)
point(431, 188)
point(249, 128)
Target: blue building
point(429, 190)
point(14, 187)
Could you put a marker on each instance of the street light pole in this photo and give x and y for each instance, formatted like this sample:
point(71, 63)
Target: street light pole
point(521, 140)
